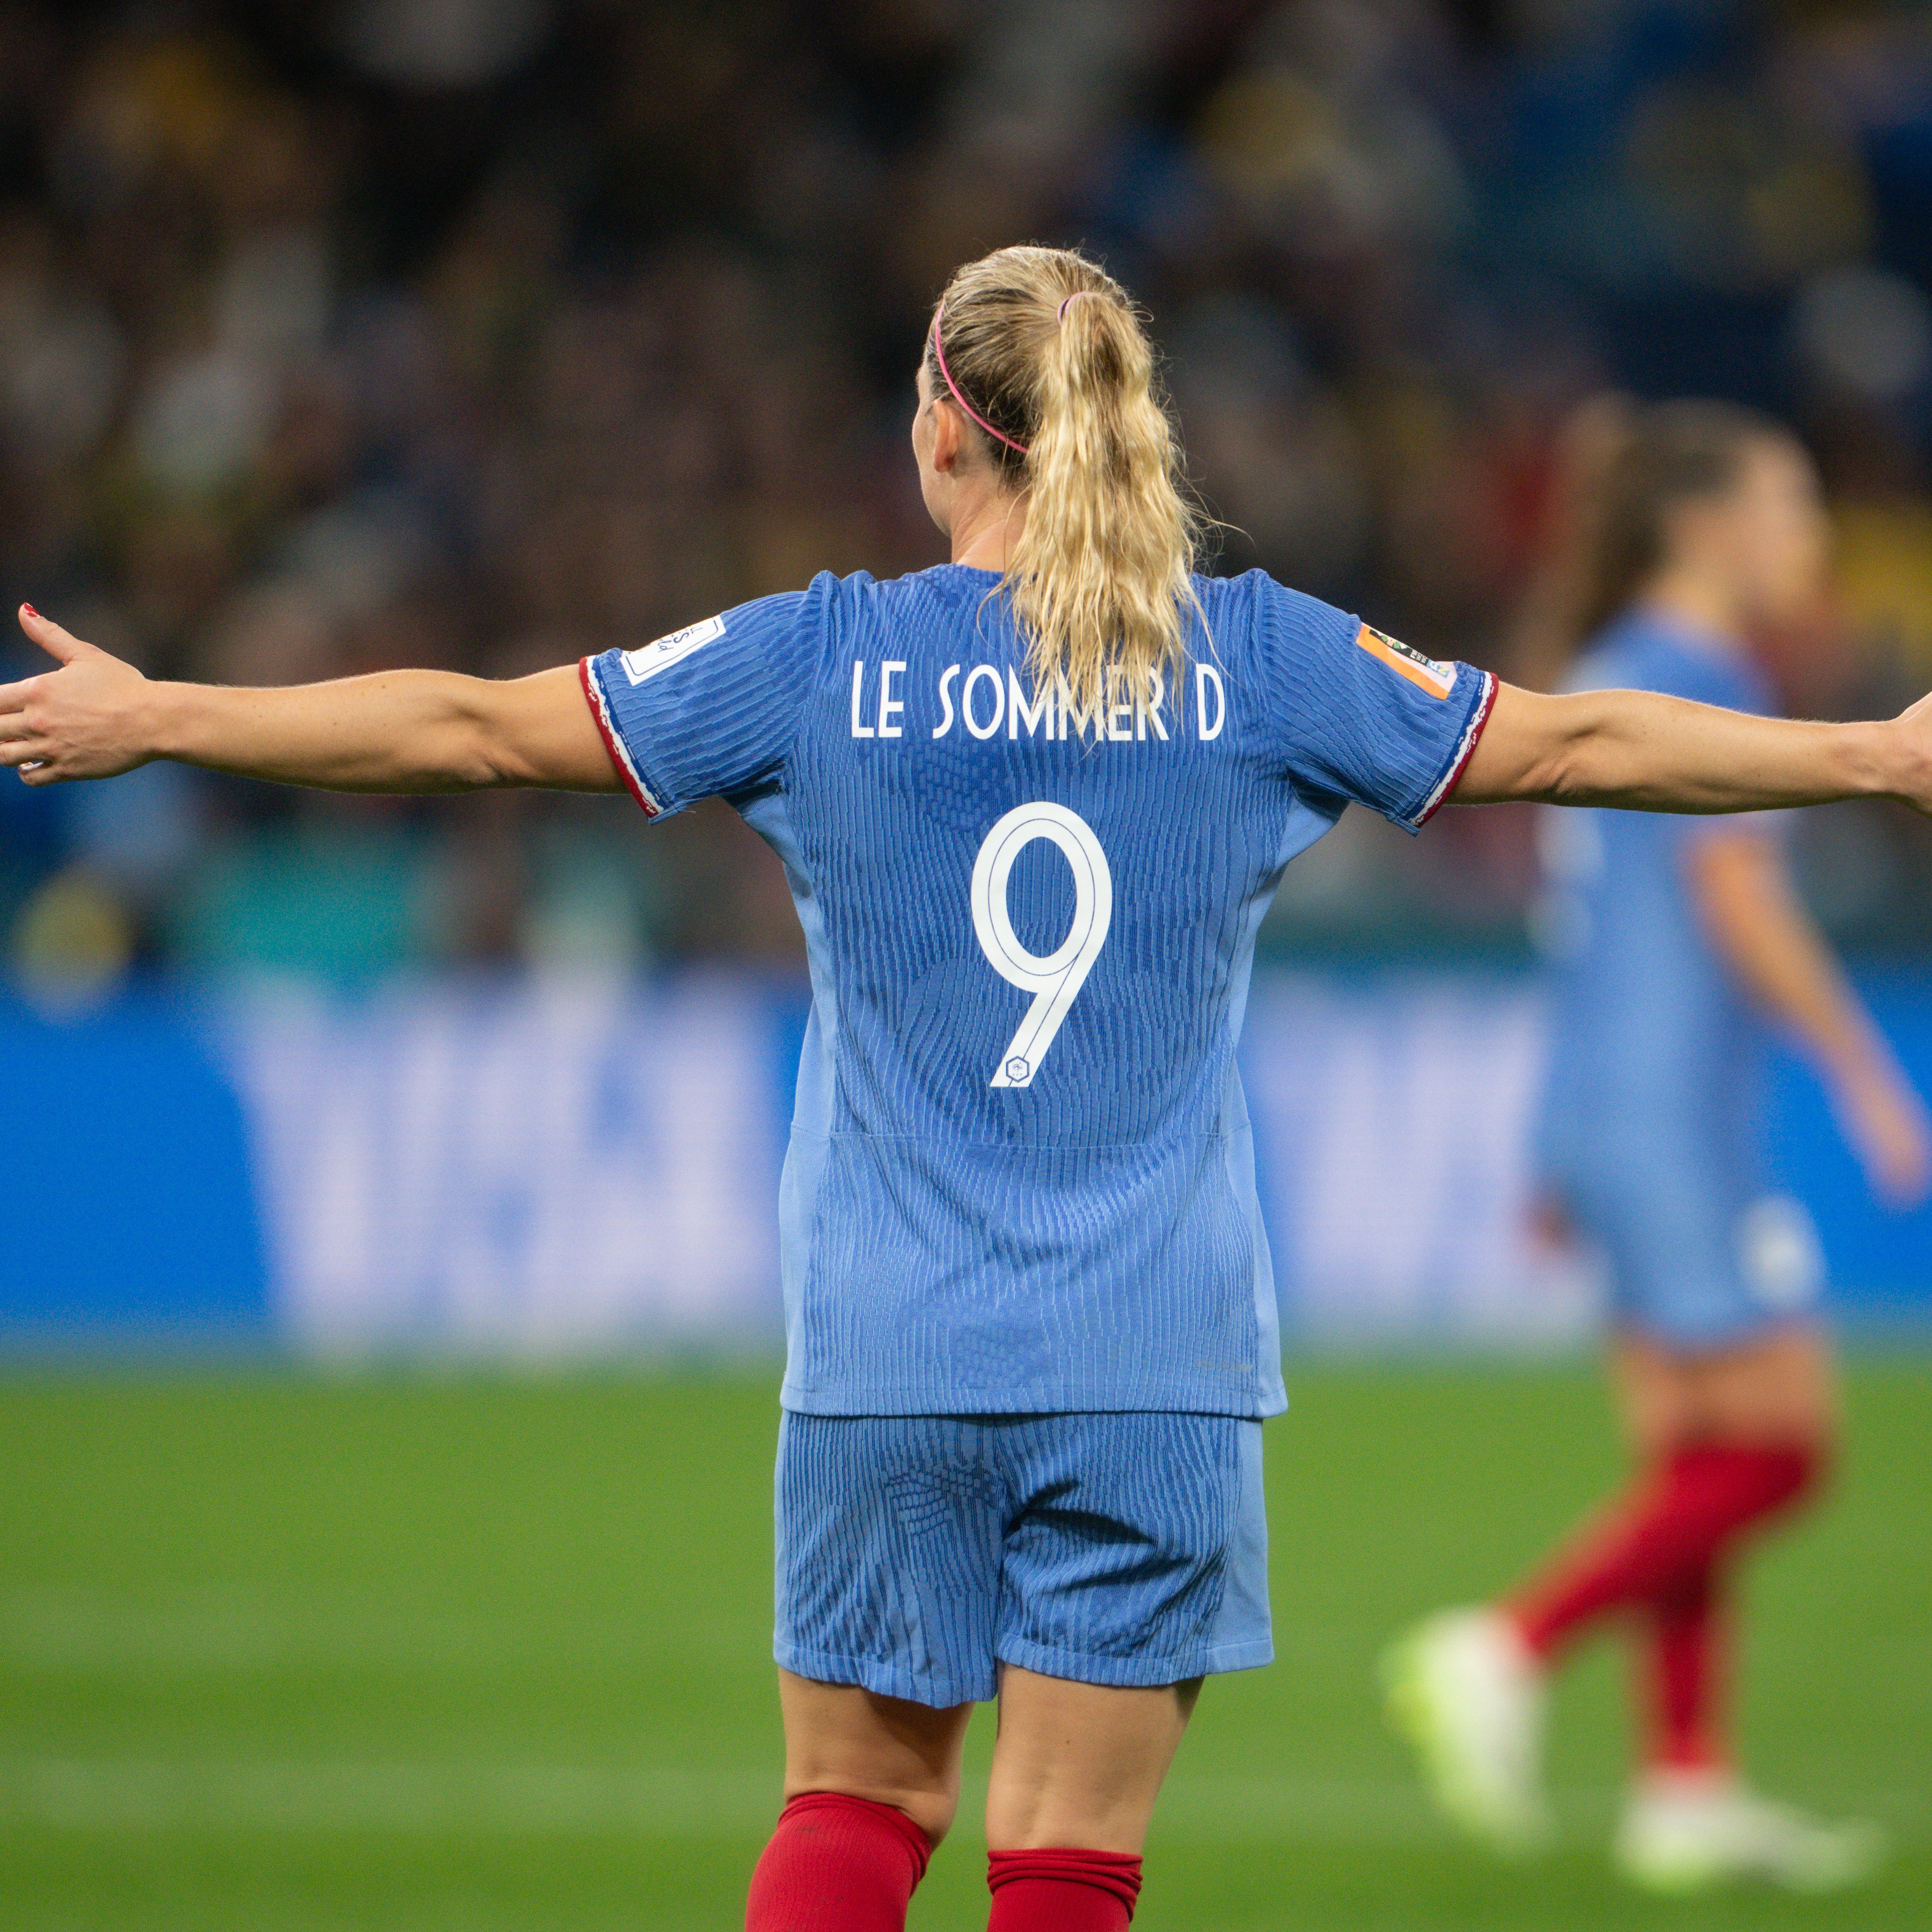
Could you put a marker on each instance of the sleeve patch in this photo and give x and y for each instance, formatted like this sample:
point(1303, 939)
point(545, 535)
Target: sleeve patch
point(1425, 673)
point(649, 659)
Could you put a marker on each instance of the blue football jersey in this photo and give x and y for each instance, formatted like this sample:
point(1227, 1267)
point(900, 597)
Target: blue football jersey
point(1020, 1177)
point(1653, 1052)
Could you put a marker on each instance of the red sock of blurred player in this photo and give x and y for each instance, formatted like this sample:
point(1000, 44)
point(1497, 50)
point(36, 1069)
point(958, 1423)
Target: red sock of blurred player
point(837, 1864)
point(1684, 1661)
point(1657, 1544)
point(1062, 1890)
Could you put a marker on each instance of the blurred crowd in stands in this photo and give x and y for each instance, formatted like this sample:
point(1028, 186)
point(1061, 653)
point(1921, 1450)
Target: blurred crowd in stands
point(487, 333)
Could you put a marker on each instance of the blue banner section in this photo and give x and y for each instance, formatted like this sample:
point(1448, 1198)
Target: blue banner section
point(129, 1178)
point(559, 1165)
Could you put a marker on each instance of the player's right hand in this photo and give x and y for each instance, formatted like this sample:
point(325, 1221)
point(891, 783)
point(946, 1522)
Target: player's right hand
point(80, 721)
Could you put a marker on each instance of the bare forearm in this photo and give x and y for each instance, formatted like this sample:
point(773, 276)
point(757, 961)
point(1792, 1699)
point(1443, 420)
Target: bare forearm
point(395, 731)
point(391, 731)
point(1648, 753)
point(1639, 750)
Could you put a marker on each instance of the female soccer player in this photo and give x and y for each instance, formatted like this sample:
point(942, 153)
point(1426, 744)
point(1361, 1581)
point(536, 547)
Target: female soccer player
point(1706, 525)
point(1032, 803)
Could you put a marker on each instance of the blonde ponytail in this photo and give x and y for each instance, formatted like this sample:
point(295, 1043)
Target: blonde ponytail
point(1099, 579)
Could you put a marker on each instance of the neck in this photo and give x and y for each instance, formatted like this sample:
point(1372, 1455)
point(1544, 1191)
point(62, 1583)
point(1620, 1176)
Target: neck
point(1698, 603)
point(986, 526)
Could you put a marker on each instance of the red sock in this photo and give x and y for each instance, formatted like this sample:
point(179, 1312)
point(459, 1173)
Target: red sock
point(837, 1864)
point(1062, 1891)
point(1684, 1659)
point(1661, 1538)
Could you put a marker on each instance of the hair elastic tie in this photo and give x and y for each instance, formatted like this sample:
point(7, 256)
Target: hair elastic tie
point(1074, 298)
point(939, 354)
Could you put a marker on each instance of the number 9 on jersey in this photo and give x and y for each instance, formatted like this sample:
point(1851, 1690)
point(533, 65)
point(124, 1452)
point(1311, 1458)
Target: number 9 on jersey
point(1055, 980)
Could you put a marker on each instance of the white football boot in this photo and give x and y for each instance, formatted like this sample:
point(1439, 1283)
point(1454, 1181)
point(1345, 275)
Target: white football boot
point(1687, 1831)
point(1464, 1689)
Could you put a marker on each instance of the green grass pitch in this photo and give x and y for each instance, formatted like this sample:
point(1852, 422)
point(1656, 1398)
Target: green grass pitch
point(404, 1651)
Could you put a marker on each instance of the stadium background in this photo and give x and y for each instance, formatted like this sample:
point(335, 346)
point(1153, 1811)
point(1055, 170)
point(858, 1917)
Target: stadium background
point(485, 333)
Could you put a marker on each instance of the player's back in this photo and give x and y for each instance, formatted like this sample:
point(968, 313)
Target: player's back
point(998, 860)
point(1020, 1176)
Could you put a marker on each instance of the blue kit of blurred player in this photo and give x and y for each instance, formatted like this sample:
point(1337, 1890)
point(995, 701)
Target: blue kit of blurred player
point(1648, 1136)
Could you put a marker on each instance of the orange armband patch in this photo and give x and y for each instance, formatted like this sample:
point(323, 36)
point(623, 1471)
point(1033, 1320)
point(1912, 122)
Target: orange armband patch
point(1438, 680)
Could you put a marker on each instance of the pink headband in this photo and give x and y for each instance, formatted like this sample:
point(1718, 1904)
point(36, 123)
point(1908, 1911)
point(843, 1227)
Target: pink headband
point(1074, 298)
point(939, 353)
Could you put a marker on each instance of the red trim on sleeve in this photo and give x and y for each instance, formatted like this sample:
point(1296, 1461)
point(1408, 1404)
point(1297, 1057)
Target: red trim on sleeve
point(600, 717)
point(1471, 737)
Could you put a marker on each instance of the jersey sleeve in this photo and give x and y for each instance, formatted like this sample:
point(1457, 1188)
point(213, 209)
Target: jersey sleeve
point(713, 708)
point(1361, 717)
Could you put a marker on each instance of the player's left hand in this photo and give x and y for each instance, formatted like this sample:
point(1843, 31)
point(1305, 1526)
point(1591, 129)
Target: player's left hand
point(79, 721)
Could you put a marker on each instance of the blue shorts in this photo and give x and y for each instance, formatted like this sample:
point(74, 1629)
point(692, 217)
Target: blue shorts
point(1697, 1261)
point(916, 1553)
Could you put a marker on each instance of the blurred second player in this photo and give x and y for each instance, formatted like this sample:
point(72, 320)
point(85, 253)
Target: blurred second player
point(1676, 938)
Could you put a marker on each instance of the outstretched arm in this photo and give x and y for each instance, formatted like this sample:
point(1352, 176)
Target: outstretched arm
point(1649, 753)
point(392, 731)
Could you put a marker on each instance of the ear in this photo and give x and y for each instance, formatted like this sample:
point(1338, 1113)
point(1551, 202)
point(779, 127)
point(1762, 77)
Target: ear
point(946, 436)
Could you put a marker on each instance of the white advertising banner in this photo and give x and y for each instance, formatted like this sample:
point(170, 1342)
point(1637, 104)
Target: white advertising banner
point(560, 1166)
point(544, 1166)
